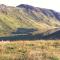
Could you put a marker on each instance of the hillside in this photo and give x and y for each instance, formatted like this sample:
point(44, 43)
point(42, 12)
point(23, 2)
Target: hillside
point(28, 20)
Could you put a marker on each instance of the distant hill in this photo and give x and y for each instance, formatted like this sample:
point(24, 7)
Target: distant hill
point(28, 20)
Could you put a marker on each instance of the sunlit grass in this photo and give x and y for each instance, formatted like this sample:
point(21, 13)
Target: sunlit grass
point(30, 50)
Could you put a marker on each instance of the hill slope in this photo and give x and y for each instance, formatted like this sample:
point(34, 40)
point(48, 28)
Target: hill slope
point(25, 18)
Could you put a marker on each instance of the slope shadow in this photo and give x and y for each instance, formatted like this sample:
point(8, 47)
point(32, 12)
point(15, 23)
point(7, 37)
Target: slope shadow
point(26, 34)
point(25, 31)
point(55, 35)
point(22, 34)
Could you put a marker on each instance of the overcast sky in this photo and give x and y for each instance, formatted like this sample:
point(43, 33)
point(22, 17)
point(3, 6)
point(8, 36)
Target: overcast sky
point(50, 4)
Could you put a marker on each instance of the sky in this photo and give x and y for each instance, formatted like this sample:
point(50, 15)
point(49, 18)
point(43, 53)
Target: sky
point(49, 4)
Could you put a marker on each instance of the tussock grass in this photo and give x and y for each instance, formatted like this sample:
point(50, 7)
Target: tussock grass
point(30, 50)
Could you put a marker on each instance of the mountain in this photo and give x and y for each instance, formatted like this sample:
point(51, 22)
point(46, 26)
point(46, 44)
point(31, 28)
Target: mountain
point(28, 20)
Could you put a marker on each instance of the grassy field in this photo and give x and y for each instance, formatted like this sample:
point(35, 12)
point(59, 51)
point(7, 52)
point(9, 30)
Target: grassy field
point(30, 50)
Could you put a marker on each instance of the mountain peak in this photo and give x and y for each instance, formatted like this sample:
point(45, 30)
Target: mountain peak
point(2, 5)
point(26, 6)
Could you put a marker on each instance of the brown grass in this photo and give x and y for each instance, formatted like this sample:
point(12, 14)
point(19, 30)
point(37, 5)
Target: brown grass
point(30, 50)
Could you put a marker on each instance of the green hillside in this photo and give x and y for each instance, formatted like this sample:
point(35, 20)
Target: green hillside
point(12, 18)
